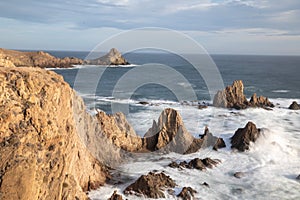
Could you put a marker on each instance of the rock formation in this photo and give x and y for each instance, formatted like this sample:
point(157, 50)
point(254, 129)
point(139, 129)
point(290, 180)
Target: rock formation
point(48, 142)
point(243, 136)
point(151, 185)
point(170, 134)
point(196, 163)
point(119, 131)
point(187, 193)
point(36, 59)
point(114, 57)
point(115, 196)
point(233, 97)
point(294, 106)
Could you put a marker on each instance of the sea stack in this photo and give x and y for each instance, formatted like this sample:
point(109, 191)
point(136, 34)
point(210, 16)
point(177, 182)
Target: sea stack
point(114, 57)
point(233, 97)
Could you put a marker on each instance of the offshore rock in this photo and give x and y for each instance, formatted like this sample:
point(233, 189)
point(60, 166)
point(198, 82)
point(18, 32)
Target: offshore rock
point(187, 193)
point(243, 136)
point(151, 185)
point(294, 106)
point(170, 135)
point(114, 57)
point(36, 59)
point(196, 163)
point(44, 134)
point(233, 97)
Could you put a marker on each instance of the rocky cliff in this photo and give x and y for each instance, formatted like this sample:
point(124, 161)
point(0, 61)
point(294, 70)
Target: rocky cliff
point(48, 141)
point(36, 59)
point(233, 97)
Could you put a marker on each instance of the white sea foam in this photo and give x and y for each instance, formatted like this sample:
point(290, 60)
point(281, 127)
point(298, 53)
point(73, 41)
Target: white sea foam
point(270, 166)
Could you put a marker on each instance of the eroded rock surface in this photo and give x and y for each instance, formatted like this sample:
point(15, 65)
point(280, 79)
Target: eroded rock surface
point(44, 135)
point(115, 196)
point(151, 185)
point(233, 97)
point(294, 106)
point(187, 193)
point(196, 163)
point(244, 136)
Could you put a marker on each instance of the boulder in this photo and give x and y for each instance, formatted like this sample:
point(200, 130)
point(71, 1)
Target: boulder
point(114, 57)
point(48, 142)
point(233, 97)
point(294, 106)
point(239, 174)
point(196, 163)
point(187, 193)
point(244, 136)
point(151, 185)
point(115, 196)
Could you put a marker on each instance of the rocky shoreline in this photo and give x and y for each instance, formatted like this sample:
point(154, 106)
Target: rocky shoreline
point(13, 58)
point(50, 144)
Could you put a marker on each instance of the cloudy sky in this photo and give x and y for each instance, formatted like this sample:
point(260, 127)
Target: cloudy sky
point(221, 26)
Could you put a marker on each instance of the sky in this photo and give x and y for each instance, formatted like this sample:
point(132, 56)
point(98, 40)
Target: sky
point(263, 27)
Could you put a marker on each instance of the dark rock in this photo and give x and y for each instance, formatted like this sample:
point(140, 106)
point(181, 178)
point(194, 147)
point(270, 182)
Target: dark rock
point(233, 97)
point(151, 185)
point(243, 136)
point(196, 163)
point(294, 106)
point(239, 174)
point(187, 193)
point(115, 196)
point(202, 106)
point(144, 102)
point(205, 184)
point(219, 144)
point(298, 177)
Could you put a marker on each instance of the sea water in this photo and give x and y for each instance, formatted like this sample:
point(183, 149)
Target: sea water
point(270, 167)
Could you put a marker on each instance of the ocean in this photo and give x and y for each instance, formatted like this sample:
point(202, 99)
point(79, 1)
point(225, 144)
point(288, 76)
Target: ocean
point(272, 164)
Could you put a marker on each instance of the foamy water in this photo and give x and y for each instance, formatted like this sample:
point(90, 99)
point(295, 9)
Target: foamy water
point(270, 167)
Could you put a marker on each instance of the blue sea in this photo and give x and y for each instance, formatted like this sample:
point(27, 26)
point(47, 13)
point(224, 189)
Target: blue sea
point(272, 164)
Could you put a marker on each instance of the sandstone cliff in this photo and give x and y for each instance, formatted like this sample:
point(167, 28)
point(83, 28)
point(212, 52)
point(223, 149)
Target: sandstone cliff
point(233, 97)
point(37, 59)
point(48, 143)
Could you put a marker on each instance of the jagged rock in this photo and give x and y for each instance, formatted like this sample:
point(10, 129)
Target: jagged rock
point(169, 134)
point(44, 135)
point(196, 163)
point(298, 177)
point(205, 184)
point(115, 196)
point(243, 136)
point(260, 101)
point(202, 106)
point(294, 106)
point(114, 57)
point(233, 97)
point(187, 193)
point(119, 131)
point(219, 144)
point(37, 59)
point(151, 185)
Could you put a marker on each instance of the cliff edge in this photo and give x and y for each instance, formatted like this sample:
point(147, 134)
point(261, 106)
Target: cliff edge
point(43, 152)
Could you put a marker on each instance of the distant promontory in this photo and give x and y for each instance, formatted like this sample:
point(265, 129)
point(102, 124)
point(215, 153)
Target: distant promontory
point(42, 59)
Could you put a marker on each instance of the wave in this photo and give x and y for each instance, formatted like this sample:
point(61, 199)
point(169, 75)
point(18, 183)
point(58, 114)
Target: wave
point(281, 91)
